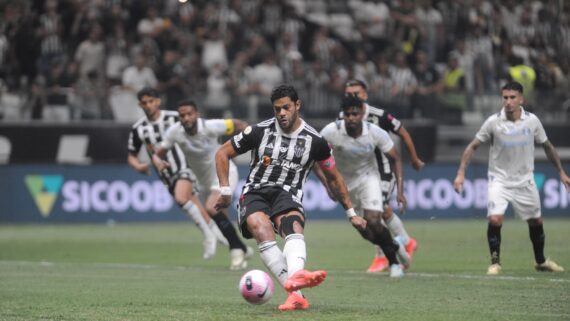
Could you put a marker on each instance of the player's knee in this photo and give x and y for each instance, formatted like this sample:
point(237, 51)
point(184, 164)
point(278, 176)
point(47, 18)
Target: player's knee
point(181, 200)
point(287, 224)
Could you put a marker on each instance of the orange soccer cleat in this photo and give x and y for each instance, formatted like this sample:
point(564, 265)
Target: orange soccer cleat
point(304, 279)
point(411, 247)
point(294, 302)
point(379, 264)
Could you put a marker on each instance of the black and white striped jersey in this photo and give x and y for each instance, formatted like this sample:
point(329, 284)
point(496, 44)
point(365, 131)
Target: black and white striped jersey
point(150, 134)
point(280, 159)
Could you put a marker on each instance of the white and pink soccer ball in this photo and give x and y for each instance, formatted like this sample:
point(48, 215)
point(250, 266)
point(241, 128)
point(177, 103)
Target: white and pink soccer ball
point(256, 287)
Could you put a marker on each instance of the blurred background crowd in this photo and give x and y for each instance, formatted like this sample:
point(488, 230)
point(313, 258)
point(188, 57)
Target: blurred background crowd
point(63, 60)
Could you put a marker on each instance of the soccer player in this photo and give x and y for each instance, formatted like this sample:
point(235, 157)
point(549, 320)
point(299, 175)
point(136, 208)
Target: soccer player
point(354, 141)
point(390, 124)
point(149, 131)
point(283, 150)
point(512, 133)
point(198, 139)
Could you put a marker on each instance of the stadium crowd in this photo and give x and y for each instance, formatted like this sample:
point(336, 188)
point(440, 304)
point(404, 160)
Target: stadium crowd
point(66, 60)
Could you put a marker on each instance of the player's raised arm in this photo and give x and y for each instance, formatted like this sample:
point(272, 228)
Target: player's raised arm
point(465, 160)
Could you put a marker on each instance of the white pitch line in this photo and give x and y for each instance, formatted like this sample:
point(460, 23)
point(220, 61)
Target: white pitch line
point(186, 268)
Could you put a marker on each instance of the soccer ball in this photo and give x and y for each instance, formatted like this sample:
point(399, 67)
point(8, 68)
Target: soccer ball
point(256, 287)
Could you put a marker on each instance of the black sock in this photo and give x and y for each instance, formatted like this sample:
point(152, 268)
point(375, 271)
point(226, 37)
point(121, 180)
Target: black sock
point(494, 239)
point(537, 236)
point(227, 228)
point(388, 245)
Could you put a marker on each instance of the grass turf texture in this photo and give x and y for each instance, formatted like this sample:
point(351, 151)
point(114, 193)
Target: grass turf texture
point(155, 272)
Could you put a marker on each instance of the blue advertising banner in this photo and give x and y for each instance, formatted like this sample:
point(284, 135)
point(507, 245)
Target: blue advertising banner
point(100, 193)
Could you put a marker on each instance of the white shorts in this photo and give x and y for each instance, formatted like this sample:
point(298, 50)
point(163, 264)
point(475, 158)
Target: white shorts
point(524, 200)
point(367, 195)
point(209, 181)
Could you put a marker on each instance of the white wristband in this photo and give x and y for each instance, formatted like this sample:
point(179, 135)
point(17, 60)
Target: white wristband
point(350, 213)
point(225, 191)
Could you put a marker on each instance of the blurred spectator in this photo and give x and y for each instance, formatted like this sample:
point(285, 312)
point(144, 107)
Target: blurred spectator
point(425, 99)
point(214, 50)
point(170, 77)
point(319, 99)
point(91, 52)
point(404, 86)
point(526, 76)
point(453, 84)
point(430, 25)
point(138, 76)
point(90, 97)
point(50, 30)
point(217, 94)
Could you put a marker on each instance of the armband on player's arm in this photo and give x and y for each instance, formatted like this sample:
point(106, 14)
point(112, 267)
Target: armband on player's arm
point(327, 164)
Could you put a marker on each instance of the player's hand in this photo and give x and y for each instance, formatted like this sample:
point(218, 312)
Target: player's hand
point(418, 164)
point(458, 183)
point(143, 169)
point(159, 163)
point(402, 202)
point(224, 201)
point(358, 222)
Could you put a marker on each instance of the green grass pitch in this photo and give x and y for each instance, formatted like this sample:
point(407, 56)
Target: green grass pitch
point(155, 272)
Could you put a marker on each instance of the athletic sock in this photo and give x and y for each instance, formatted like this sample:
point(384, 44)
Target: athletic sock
point(219, 235)
point(194, 213)
point(295, 252)
point(389, 246)
point(396, 226)
point(537, 237)
point(274, 260)
point(494, 240)
point(229, 231)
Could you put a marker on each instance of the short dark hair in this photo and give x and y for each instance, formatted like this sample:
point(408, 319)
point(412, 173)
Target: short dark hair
point(356, 82)
point(513, 85)
point(284, 91)
point(351, 101)
point(187, 102)
point(147, 91)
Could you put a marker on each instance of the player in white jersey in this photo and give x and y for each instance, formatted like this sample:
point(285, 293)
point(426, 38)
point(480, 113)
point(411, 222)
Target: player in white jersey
point(198, 138)
point(354, 142)
point(512, 133)
point(390, 124)
point(149, 131)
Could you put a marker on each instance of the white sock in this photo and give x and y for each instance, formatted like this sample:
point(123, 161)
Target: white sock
point(396, 226)
point(273, 259)
point(295, 252)
point(198, 219)
point(379, 252)
point(219, 235)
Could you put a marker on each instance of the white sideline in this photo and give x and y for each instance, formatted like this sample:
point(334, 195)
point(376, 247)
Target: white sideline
point(186, 268)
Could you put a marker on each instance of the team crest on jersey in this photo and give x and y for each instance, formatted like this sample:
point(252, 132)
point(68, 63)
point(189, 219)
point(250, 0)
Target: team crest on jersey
point(247, 130)
point(526, 131)
point(266, 160)
point(299, 148)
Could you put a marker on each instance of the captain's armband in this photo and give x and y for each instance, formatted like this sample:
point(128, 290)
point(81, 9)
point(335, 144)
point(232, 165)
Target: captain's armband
point(327, 164)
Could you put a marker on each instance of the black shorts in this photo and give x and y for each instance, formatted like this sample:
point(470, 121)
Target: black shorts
point(270, 200)
point(184, 174)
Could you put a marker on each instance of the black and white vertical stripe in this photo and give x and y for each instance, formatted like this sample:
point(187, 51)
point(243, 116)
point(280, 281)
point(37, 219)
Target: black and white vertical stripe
point(150, 134)
point(288, 169)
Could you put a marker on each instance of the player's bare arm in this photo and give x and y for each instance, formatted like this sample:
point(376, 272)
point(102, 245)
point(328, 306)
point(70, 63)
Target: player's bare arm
point(336, 183)
point(553, 157)
point(134, 162)
point(399, 172)
point(321, 176)
point(417, 163)
point(465, 160)
point(239, 125)
point(223, 156)
point(158, 159)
